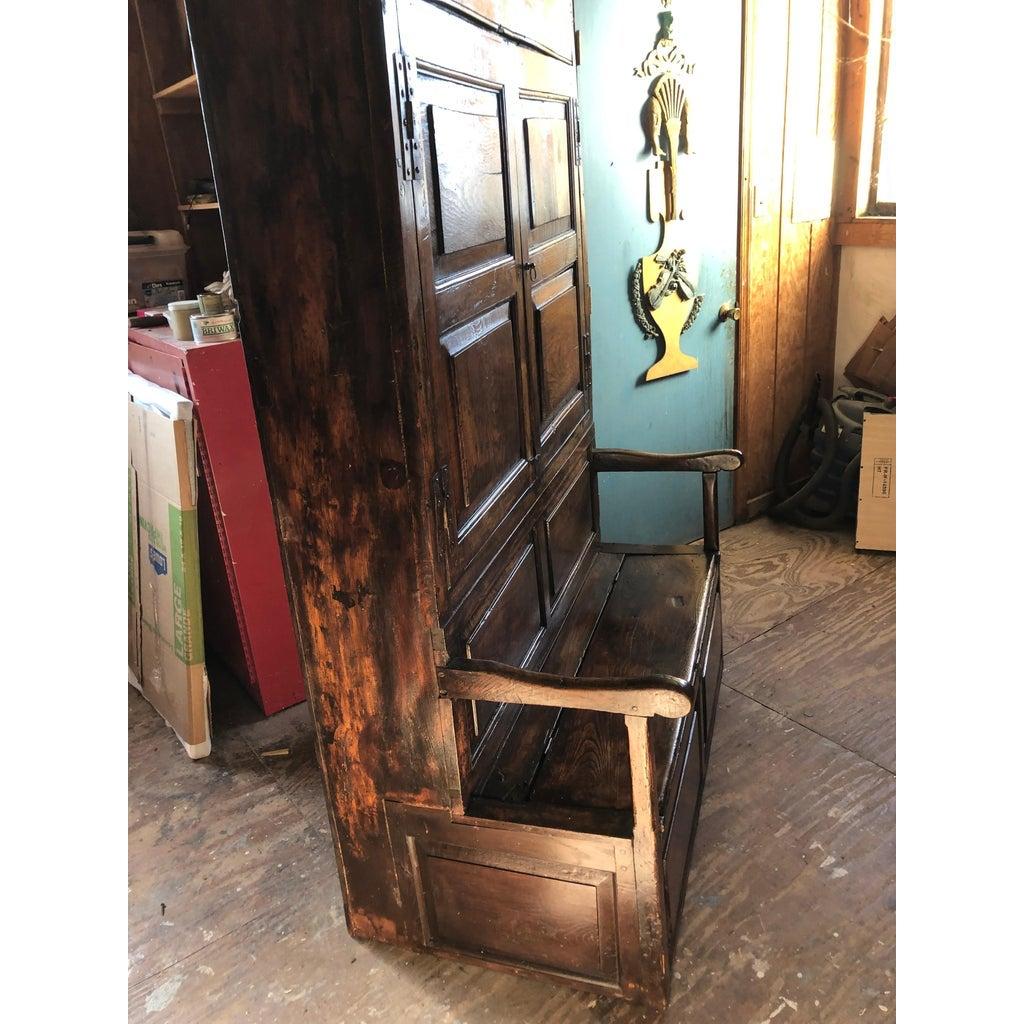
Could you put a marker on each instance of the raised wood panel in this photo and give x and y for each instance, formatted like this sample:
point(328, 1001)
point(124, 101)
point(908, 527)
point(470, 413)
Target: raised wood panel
point(484, 386)
point(556, 323)
point(467, 208)
point(546, 189)
point(491, 909)
point(507, 632)
point(513, 621)
point(469, 178)
point(570, 527)
point(547, 156)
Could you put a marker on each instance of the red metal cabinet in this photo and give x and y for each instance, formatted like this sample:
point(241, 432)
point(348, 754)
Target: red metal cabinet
point(246, 617)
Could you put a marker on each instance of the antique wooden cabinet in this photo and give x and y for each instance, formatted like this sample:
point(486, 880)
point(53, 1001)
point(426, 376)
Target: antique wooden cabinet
point(513, 721)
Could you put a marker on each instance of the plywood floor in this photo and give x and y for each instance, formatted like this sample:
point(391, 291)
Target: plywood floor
point(235, 911)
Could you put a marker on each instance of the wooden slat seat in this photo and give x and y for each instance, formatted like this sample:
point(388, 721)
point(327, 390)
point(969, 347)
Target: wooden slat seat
point(571, 766)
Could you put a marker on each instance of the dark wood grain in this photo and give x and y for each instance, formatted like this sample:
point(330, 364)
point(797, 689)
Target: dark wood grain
point(569, 527)
point(558, 347)
point(469, 177)
point(428, 446)
point(303, 174)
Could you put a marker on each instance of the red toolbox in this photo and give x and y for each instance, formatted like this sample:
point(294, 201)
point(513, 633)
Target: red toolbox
point(246, 618)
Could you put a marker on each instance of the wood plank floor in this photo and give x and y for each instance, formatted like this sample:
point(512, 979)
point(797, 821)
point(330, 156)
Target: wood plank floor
point(235, 910)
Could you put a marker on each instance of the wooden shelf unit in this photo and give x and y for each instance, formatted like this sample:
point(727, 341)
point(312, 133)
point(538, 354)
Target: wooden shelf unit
point(175, 92)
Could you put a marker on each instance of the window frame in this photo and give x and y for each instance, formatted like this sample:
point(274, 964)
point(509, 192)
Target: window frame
point(858, 217)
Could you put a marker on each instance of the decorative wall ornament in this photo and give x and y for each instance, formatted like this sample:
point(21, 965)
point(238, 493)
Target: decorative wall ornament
point(663, 285)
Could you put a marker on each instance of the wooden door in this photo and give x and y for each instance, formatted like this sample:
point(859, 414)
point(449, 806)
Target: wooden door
point(498, 214)
point(462, 88)
point(688, 411)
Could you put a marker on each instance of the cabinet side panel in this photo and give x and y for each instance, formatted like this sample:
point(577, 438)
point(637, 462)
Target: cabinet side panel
point(298, 102)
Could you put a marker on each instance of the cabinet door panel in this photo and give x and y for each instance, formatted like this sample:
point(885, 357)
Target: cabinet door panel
point(467, 209)
point(483, 368)
point(556, 299)
point(547, 157)
point(557, 333)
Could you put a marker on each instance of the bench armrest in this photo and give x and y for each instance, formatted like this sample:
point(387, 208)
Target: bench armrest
point(709, 464)
point(619, 460)
point(642, 696)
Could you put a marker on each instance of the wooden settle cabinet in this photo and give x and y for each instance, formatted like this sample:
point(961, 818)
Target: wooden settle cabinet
point(512, 719)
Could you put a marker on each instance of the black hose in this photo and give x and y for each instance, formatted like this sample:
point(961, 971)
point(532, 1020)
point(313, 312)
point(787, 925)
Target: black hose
point(789, 502)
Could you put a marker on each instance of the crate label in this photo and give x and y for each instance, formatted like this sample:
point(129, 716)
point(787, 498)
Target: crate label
point(159, 293)
point(881, 480)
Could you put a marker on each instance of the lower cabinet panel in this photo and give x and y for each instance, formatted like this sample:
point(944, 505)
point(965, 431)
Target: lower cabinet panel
point(535, 903)
point(491, 910)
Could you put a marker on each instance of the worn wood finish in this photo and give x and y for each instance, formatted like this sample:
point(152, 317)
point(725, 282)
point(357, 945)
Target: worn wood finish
point(610, 460)
point(877, 232)
point(426, 422)
point(795, 882)
point(804, 668)
point(345, 462)
point(772, 571)
point(789, 274)
point(644, 696)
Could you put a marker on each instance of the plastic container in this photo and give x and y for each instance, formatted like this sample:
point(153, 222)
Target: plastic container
point(156, 269)
point(178, 316)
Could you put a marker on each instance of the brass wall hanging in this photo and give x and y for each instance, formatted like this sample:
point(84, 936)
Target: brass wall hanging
point(663, 285)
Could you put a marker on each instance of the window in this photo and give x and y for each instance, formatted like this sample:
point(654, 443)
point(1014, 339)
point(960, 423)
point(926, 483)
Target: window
point(865, 196)
point(877, 148)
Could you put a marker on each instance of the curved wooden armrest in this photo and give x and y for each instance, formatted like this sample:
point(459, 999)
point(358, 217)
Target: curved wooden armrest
point(617, 460)
point(643, 696)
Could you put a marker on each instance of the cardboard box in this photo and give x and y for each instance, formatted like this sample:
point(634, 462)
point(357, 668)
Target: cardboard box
point(134, 609)
point(876, 502)
point(169, 665)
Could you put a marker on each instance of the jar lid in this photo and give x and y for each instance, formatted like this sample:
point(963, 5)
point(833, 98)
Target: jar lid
point(184, 306)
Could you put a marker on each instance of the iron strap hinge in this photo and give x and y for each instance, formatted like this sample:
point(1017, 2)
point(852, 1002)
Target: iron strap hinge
point(405, 78)
point(577, 148)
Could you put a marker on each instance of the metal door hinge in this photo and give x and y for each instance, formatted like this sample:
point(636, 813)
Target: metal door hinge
point(405, 78)
point(587, 372)
point(577, 148)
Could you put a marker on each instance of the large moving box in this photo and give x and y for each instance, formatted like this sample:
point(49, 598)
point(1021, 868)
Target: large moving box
point(876, 499)
point(165, 642)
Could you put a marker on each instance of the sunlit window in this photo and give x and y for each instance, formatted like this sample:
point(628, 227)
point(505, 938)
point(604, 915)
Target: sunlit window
point(878, 156)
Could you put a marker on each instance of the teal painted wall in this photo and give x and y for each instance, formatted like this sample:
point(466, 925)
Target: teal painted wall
point(689, 411)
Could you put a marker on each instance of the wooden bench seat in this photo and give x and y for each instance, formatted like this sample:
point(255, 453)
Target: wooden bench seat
point(571, 766)
point(588, 778)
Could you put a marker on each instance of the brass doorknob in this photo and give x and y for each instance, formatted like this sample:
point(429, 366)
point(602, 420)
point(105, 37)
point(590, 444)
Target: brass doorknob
point(727, 312)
